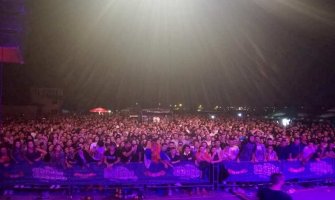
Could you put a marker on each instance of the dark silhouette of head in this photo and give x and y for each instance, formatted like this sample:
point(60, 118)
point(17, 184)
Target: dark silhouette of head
point(277, 180)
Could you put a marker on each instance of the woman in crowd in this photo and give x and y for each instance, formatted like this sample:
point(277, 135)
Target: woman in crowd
point(17, 153)
point(138, 152)
point(218, 169)
point(203, 160)
point(4, 156)
point(34, 155)
point(70, 158)
point(202, 157)
point(216, 155)
point(57, 157)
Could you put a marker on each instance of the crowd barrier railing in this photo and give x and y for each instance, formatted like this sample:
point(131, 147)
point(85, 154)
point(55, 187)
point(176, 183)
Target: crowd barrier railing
point(120, 174)
point(157, 174)
point(292, 170)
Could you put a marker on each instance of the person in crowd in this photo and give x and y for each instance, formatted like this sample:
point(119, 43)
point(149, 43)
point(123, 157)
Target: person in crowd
point(17, 153)
point(147, 154)
point(216, 159)
point(93, 144)
point(295, 149)
point(137, 155)
point(308, 152)
point(195, 147)
point(330, 152)
point(248, 149)
point(321, 151)
point(164, 153)
point(47, 157)
point(269, 142)
point(260, 150)
point(34, 155)
point(271, 154)
point(187, 154)
point(57, 157)
point(232, 151)
point(216, 155)
point(97, 152)
point(283, 150)
point(156, 153)
point(70, 159)
point(111, 156)
point(127, 152)
point(180, 147)
point(82, 157)
point(172, 145)
point(4, 156)
point(174, 157)
point(203, 159)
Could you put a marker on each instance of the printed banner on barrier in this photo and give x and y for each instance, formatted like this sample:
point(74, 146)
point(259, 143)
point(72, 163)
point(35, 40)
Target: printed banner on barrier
point(135, 173)
point(138, 173)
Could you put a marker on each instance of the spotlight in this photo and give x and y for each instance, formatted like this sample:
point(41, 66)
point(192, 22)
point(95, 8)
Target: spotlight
point(212, 116)
point(239, 114)
point(285, 122)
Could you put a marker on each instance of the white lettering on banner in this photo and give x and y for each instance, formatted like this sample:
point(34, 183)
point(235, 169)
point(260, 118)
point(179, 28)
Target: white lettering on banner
point(48, 173)
point(265, 169)
point(119, 173)
point(321, 167)
point(186, 171)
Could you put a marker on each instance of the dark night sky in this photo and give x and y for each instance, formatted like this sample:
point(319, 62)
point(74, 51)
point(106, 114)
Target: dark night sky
point(213, 52)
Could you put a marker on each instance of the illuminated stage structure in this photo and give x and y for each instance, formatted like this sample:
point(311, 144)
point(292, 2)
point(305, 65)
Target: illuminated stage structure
point(12, 13)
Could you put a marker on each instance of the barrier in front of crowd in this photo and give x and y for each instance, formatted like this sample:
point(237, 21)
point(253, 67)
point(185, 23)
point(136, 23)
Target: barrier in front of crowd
point(292, 170)
point(133, 174)
point(94, 174)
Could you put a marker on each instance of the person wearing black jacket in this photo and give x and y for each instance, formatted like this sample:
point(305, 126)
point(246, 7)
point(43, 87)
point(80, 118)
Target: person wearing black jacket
point(187, 154)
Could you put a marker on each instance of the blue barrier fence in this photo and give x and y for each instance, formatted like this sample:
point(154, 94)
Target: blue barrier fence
point(260, 172)
point(185, 173)
point(121, 174)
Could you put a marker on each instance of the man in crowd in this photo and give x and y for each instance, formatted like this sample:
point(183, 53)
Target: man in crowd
point(283, 150)
point(295, 149)
point(248, 149)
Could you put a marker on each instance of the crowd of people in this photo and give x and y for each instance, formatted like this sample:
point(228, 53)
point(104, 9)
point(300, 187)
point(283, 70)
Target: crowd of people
point(79, 140)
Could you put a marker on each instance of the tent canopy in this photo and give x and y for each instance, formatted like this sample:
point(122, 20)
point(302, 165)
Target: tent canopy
point(99, 110)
